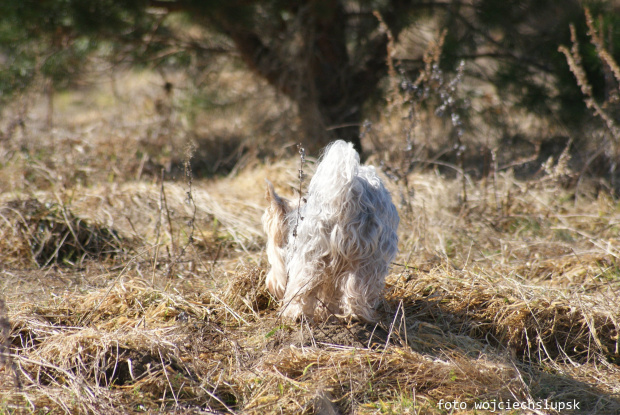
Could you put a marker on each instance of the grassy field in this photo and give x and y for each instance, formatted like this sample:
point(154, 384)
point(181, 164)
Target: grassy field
point(123, 293)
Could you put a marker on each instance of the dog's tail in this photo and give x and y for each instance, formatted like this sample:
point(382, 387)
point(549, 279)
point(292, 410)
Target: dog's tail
point(337, 168)
point(350, 202)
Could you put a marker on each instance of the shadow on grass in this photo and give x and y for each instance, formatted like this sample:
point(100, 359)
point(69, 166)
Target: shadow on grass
point(552, 374)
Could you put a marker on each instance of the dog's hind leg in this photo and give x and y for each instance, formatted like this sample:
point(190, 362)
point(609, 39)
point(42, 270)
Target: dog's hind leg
point(361, 293)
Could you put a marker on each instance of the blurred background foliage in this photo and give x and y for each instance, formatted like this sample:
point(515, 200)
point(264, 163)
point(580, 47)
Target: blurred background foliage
point(338, 61)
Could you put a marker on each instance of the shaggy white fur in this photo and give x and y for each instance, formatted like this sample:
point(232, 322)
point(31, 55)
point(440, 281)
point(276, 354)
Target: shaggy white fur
point(331, 256)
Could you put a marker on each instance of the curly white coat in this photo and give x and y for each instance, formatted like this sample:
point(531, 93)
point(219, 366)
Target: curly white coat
point(332, 255)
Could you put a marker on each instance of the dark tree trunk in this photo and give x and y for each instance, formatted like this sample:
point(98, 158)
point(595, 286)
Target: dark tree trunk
point(326, 55)
point(308, 60)
point(322, 124)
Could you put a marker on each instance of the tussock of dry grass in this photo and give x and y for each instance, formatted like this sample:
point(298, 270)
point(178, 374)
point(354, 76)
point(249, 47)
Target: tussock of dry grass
point(511, 295)
point(484, 304)
point(144, 211)
point(131, 344)
point(533, 322)
point(33, 232)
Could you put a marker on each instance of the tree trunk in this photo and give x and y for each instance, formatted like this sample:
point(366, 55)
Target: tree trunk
point(309, 61)
point(323, 122)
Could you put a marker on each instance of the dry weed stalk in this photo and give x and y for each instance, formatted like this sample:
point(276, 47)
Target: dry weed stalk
point(431, 88)
point(301, 176)
point(389, 60)
point(189, 153)
point(596, 37)
point(6, 358)
point(558, 175)
point(189, 201)
point(158, 226)
point(573, 58)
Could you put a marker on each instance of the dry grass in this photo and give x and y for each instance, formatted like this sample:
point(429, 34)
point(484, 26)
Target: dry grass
point(148, 301)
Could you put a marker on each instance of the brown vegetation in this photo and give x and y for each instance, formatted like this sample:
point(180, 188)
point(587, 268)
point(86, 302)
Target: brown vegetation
point(125, 293)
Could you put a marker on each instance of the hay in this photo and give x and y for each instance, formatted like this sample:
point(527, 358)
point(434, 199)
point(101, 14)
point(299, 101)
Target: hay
point(248, 293)
point(535, 323)
point(354, 375)
point(49, 233)
point(510, 296)
point(481, 308)
point(109, 344)
point(131, 344)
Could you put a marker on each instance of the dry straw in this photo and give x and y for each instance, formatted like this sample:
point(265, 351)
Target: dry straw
point(482, 304)
point(512, 296)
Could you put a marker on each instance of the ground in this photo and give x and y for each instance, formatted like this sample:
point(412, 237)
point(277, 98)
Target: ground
point(124, 293)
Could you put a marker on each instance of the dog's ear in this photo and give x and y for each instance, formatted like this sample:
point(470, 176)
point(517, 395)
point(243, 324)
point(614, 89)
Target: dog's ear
point(270, 195)
point(276, 202)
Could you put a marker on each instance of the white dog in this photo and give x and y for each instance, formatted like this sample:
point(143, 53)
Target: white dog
point(331, 256)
